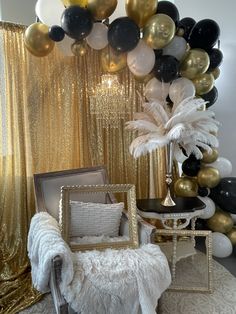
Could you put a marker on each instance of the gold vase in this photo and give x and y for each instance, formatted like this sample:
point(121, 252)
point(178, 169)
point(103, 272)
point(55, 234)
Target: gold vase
point(168, 201)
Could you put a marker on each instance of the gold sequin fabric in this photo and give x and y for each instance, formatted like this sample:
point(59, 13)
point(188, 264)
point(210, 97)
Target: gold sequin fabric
point(46, 125)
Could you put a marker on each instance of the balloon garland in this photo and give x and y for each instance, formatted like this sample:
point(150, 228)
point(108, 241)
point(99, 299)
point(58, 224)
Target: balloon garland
point(175, 58)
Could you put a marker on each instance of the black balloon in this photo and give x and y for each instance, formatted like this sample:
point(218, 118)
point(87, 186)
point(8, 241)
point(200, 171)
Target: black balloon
point(204, 34)
point(224, 194)
point(201, 224)
point(77, 22)
point(168, 8)
point(203, 191)
point(191, 166)
point(123, 34)
point(166, 68)
point(216, 57)
point(186, 24)
point(211, 97)
point(158, 53)
point(168, 99)
point(56, 33)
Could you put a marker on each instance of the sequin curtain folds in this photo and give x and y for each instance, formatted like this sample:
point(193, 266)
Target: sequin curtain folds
point(45, 125)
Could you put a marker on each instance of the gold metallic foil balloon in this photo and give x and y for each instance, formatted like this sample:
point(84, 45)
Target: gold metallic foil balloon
point(196, 62)
point(79, 48)
point(215, 73)
point(112, 61)
point(186, 187)
point(232, 235)
point(208, 158)
point(220, 222)
point(102, 9)
point(81, 3)
point(159, 31)
point(37, 41)
point(180, 32)
point(144, 79)
point(140, 10)
point(155, 222)
point(208, 177)
point(203, 83)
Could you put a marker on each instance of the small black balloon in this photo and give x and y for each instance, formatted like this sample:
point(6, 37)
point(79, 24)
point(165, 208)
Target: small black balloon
point(123, 34)
point(216, 57)
point(186, 24)
point(77, 22)
point(204, 34)
point(56, 33)
point(191, 167)
point(203, 191)
point(168, 8)
point(166, 68)
point(211, 97)
point(224, 194)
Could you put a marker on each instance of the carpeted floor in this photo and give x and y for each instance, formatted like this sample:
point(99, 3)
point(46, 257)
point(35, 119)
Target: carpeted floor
point(189, 271)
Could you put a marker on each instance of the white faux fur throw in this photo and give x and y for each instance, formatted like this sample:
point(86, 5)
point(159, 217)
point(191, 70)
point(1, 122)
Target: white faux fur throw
point(104, 282)
point(45, 243)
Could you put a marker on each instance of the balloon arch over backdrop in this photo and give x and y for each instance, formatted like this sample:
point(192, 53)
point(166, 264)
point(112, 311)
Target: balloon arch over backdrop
point(175, 58)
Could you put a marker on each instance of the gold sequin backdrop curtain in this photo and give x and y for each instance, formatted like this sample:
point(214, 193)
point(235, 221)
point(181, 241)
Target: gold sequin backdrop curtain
point(45, 125)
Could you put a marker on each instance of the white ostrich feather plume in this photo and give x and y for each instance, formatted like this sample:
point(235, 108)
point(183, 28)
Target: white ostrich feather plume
point(186, 125)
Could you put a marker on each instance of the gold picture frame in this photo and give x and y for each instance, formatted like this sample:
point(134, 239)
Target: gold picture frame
point(129, 189)
point(191, 234)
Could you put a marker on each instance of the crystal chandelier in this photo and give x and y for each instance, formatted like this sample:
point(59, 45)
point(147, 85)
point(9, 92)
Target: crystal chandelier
point(108, 101)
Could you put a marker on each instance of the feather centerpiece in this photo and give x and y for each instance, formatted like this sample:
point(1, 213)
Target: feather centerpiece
point(187, 126)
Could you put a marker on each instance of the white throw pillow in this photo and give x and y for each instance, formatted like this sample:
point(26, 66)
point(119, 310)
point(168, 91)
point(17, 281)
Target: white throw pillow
point(95, 219)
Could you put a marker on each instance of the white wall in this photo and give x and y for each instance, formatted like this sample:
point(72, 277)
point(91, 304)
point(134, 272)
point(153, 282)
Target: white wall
point(223, 12)
point(18, 11)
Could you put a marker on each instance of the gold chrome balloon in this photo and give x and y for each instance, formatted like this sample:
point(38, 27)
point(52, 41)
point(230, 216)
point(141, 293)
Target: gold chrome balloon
point(159, 31)
point(144, 79)
point(79, 48)
point(102, 9)
point(186, 187)
point(180, 32)
point(112, 61)
point(220, 222)
point(140, 10)
point(215, 73)
point(81, 3)
point(155, 222)
point(37, 41)
point(208, 158)
point(208, 177)
point(232, 235)
point(196, 62)
point(203, 83)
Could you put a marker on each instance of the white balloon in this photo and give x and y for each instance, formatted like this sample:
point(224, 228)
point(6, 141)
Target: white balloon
point(141, 59)
point(49, 11)
point(176, 48)
point(97, 39)
point(221, 245)
point(223, 165)
point(180, 89)
point(156, 90)
point(233, 217)
point(210, 208)
point(65, 46)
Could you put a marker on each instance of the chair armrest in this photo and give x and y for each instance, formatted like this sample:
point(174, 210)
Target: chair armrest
point(145, 230)
point(60, 303)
